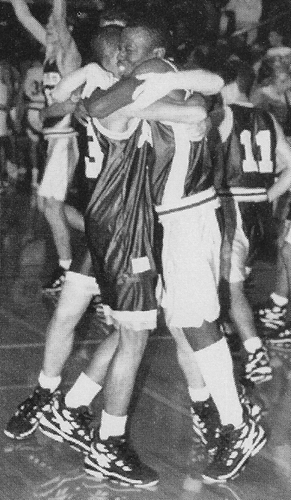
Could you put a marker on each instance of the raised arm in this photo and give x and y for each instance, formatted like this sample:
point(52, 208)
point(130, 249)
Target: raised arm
point(68, 57)
point(29, 22)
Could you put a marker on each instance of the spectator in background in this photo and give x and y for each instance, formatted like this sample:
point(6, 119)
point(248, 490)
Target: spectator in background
point(247, 15)
point(273, 89)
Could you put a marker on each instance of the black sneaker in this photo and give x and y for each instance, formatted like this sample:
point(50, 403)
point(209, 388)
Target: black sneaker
point(257, 367)
point(252, 409)
point(281, 338)
point(270, 315)
point(206, 423)
point(236, 446)
point(55, 284)
point(114, 459)
point(26, 419)
point(67, 424)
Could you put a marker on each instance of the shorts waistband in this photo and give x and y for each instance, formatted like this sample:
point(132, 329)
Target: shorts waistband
point(241, 194)
point(208, 196)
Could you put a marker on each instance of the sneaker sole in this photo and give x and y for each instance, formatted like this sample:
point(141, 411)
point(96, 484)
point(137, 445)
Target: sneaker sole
point(260, 379)
point(257, 446)
point(95, 470)
point(23, 436)
point(47, 428)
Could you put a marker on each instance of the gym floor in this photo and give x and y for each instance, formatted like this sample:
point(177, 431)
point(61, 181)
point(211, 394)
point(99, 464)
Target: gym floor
point(39, 468)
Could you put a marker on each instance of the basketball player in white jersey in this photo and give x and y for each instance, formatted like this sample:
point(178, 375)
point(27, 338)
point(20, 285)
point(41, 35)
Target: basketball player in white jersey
point(62, 57)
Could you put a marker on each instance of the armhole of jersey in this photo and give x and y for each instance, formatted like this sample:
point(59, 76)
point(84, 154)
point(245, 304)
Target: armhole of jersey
point(226, 125)
point(171, 64)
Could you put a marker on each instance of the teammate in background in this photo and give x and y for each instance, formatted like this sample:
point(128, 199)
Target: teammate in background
point(256, 152)
point(61, 58)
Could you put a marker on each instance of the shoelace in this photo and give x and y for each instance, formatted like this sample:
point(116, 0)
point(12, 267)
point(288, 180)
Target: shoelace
point(124, 451)
point(31, 405)
point(228, 436)
point(83, 416)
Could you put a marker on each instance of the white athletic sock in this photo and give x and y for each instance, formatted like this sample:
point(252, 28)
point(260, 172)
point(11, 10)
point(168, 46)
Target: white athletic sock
point(216, 367)
point(278, 299)
point(65, 263)
point(252, 344)
point(50, 383)
point(111, 425)
point(83, 392)
point(198, 394)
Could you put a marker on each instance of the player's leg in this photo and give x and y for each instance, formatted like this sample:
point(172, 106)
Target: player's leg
point(235, 271)
point(62, 157)
point(111, 445)
point(191, 275)
point(74, 299)
point(271, 315)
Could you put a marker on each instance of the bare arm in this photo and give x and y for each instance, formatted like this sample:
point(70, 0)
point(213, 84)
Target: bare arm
point(283, 157)
point(155, 85)
point(29, 22)
point(191, 111)
point(58, 109)
point(68, 57)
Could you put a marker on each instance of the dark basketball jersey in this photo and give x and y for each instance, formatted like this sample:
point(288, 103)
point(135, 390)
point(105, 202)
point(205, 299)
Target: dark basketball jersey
point(248, 172)
point(119, 223)
point(249, 154)
point(51, 77)
point(89, 168)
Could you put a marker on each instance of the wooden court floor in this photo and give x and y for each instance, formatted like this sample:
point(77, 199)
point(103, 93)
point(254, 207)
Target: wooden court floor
point(41, 469)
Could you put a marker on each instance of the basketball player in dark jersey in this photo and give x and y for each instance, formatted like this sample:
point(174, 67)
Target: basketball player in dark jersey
point(79, 286)
point(213, 346)
point(61, 58)
point(256, 153)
